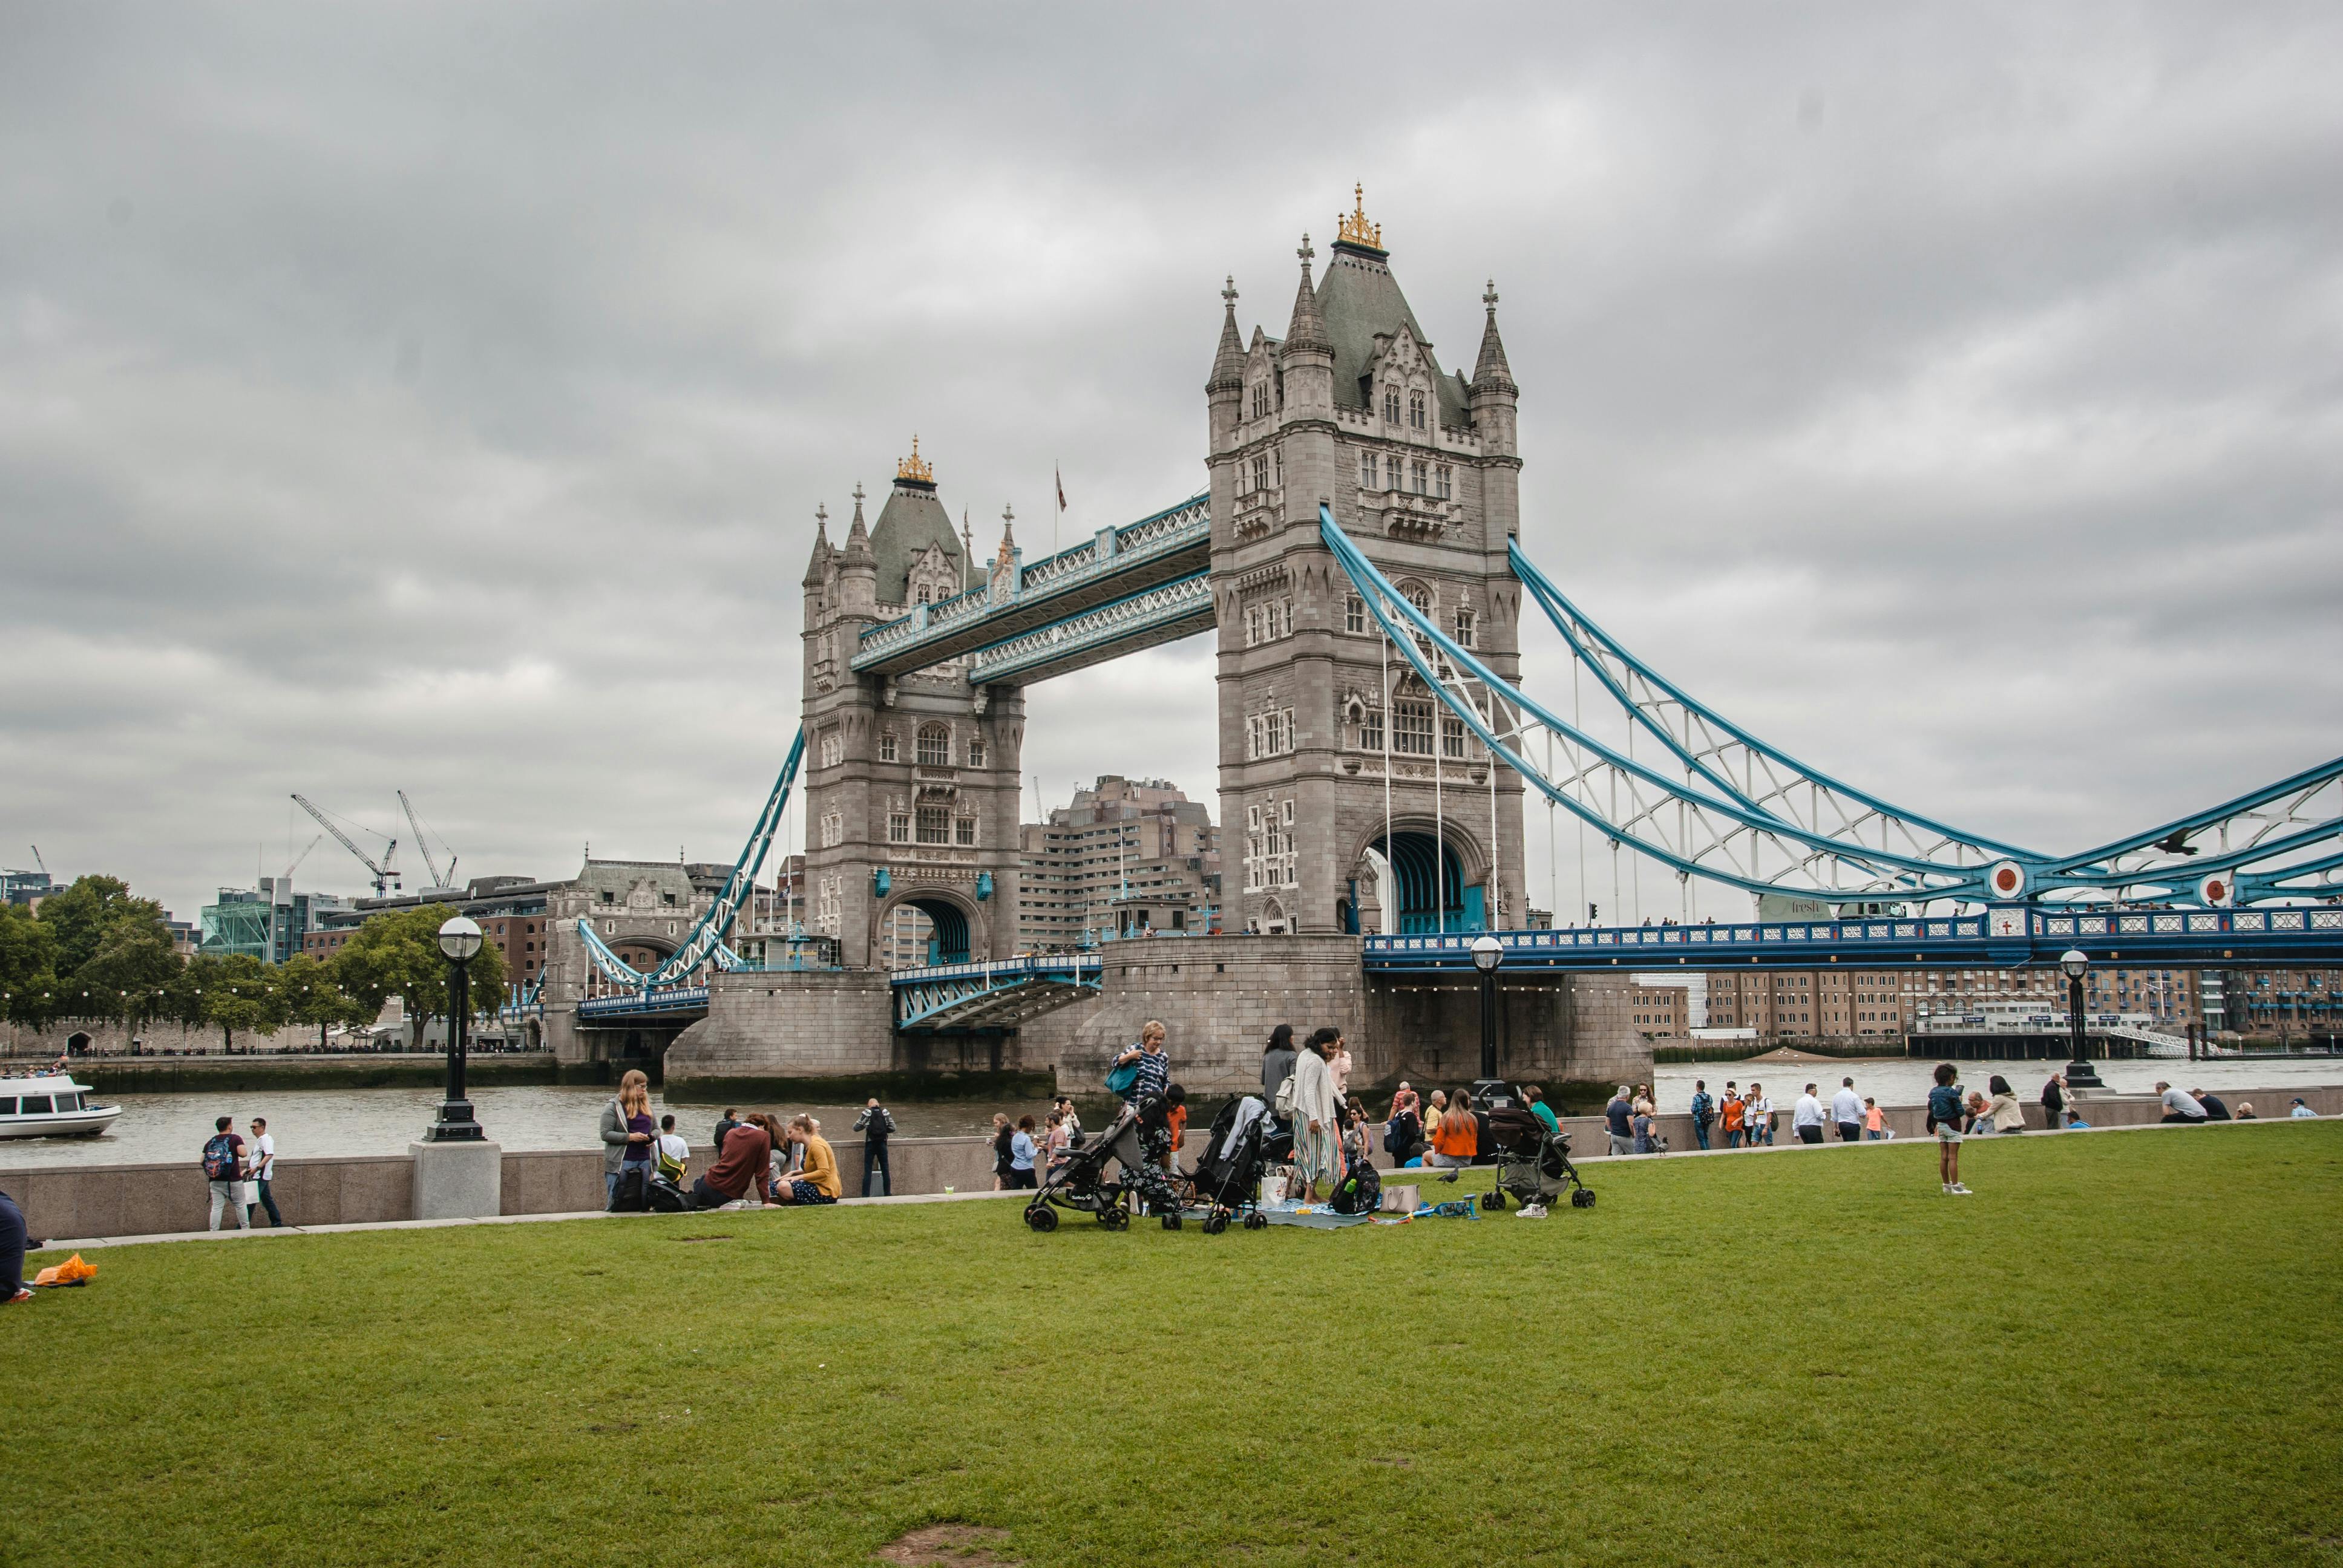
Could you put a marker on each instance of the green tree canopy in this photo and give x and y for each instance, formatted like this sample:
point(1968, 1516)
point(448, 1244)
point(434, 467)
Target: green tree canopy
point(133, 961)
point(28, 964)
point(85, 913)
point(310, 994)
point(397, 954)
point(242, 994)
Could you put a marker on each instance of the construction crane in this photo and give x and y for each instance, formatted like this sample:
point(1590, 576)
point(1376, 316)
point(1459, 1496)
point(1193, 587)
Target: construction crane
point(424, 844)
point(385, 874)
point(44, 865)
point(299, 858)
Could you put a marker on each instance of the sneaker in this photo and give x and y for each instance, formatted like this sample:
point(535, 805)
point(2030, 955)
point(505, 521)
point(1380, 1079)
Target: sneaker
point(1960, 1190)
point(1531, 1211)
point(22, 1295)
point(1948, 1186)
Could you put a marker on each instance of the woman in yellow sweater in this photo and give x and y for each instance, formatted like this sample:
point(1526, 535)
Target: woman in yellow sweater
point(817, 1182)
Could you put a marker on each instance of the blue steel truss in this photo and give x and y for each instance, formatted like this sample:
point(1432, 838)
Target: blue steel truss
point(1748, 815)
point(660, 1003)
point(1003, 993)
point(1114, 564)
point(2005, 936)
point(704, 943)
point(1161, 614)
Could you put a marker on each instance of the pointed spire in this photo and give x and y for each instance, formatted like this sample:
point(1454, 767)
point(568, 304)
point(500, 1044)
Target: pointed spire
point(821, 547)
point(967, 538)
point(1007, 535)
point(1489, 372)
point(858, 537)
point(1228, 361)
point(1308, 329)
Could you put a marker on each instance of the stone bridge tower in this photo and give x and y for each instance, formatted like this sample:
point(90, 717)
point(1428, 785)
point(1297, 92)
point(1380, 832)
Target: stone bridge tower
point(1350, 409)
point(911, 783)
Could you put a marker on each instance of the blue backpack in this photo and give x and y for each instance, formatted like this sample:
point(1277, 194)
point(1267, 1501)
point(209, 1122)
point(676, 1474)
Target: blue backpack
point(1119, 1082)
point(219, 1157)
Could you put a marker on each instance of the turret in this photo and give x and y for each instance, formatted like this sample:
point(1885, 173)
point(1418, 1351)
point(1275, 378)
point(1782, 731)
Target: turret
point(858, 569)
point(1494, 396)
point(1224, 389)
point(818, 566)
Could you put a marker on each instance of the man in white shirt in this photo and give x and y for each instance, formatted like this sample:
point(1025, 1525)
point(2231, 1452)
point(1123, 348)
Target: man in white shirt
point(1846, 1109)
point(2179, 1105)
point(2302, 1111)
point(1807, 1117)
point(1758, 1116)
point(260, 1159)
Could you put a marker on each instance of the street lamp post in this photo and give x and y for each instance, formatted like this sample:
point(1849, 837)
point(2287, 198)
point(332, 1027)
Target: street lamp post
point(2079, 1073)
point(460, 939)
point(1488, 952)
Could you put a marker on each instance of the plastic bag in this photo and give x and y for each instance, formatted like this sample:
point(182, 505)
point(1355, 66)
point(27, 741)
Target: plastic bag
point(72, 1272)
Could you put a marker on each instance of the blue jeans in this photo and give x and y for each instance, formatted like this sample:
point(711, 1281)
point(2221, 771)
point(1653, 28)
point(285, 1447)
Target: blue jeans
point(268, 1202)
point(1700, 1132)
point(874, 1161)
point(1871, 1137)
point(609, 1186)
point(1733, 1138)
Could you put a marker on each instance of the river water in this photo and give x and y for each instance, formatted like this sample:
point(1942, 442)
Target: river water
point(314, 1122)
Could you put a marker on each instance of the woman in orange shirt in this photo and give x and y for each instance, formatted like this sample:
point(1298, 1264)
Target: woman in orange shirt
point(1457, 1138)
point(1734, 1114)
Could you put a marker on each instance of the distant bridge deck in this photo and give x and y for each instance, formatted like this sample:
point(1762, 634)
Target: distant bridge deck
point(2004, 938)
point(1002, 993)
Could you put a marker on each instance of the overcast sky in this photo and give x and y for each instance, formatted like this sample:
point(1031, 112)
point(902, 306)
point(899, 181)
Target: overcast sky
point(438, 397)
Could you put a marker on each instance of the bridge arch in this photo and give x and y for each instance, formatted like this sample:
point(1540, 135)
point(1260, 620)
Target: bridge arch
point(1438, 877)
point(955, 925)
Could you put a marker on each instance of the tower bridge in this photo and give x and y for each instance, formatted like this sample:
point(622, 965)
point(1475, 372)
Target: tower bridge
point(1356, 553)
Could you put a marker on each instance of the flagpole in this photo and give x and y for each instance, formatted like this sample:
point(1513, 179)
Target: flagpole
point(1057, 518)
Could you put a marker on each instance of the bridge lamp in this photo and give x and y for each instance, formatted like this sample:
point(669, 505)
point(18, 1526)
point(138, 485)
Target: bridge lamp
point(460, 940)
point(1488, 952)
point(2079, 1073)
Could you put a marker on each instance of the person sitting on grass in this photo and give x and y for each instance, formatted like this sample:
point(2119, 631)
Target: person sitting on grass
point(1945, 1116)
point(817, 1180)
point(2215, 1108)
point(744, 1162)
point(1456, 1141)
point(2180, 1106)
point(2007, 1115)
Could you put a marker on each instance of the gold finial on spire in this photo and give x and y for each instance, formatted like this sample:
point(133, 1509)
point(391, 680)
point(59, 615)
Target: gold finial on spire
point(915, 467)
point(1354, 229)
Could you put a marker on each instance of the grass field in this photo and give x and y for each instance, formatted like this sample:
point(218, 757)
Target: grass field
point(2122, 1350)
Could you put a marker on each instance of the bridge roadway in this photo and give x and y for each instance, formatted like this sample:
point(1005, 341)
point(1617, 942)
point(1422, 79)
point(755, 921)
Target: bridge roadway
point(1006, 992)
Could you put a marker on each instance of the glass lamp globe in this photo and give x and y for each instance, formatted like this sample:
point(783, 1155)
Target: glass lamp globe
point(460, 939)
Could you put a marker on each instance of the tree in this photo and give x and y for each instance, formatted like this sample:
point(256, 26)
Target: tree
point(397, 954)
point(28, 965)
point(84, 913)
point(133, 961)
point(242, 995)
point(310, 994)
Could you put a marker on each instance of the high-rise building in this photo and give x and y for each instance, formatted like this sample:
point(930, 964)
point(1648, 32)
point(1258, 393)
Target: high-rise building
point(1125, 858)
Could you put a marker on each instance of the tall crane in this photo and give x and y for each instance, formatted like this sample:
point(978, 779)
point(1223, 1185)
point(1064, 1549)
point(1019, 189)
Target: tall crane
point(424, 844)
point(386, 872)
point(299, 858)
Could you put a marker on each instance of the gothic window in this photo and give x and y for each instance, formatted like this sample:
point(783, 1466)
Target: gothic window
point(887, 746)
point(926, 594)
point(975, 751)
point(834, 749)
point(1391, 472)
point(1366, 470)
point(833, 829)
point(1411, 727)
point(1466, 621)
point(935, 746)
point(1261, 473)
point(1416, 410)
point(1390, 405)
point(1451, 737)
point(964, 831)
point(1277, 466)
point(935, 825)
point(898, 827)
point(1354, 613)
point(1370, 730)
point(1418, 595)
point(1443, 481)
point(1261, 399)
point(1415, 477)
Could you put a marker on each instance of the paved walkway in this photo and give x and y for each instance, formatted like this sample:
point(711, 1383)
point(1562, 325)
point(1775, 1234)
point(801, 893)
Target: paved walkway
point(1421, 1177)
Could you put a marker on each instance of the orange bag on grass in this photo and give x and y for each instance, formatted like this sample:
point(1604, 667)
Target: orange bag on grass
point(72, 1272)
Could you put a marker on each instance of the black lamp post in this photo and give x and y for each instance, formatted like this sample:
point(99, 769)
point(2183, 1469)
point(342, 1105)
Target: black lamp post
point(460, 939)
point(2079, 1073)
point(1488, 952)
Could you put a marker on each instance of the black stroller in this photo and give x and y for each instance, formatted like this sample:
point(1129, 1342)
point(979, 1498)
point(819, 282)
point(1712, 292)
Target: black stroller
point(1079, 1182)
point(1228, 1178)
point(1532, 1161)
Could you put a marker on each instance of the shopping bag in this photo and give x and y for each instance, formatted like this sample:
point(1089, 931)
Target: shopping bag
point(72, 1272)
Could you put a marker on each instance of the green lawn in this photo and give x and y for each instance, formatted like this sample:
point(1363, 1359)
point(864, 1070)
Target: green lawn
point(2120, 1351)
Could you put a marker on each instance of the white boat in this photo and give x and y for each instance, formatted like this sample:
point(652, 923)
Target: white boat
point(51, 1105)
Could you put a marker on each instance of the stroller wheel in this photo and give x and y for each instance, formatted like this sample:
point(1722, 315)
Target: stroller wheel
point(1256, 1221)
point(1171, 1220)
point(1582, 1198)
point(1042, 1218)
point(1495, 1204)
point(1215, 1223)
point(1114, 1218)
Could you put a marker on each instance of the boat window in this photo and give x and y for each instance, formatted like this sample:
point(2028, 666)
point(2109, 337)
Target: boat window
point(8, 1107)
point(68, 1103)
point(35, 1105)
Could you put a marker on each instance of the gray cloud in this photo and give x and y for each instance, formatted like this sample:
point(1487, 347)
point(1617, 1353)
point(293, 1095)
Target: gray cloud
point(439, 397)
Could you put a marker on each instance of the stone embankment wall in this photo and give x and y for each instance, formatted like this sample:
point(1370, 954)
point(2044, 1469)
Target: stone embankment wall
point(90, 1201)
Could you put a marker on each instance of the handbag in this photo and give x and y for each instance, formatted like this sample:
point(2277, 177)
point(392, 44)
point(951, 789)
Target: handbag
point(1120, 1080)
point(1284, 1099)
point(247, 1193)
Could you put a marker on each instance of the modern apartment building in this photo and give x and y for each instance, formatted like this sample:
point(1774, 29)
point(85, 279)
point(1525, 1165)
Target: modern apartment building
point(1125, 858)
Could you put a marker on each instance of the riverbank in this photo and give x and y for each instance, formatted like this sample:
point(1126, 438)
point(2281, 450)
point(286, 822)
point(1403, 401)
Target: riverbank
point(1868, 1325)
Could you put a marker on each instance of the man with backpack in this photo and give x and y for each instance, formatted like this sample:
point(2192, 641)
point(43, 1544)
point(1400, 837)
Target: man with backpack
point(877, 1124)
point(223, 1169)
point(1704, 1111)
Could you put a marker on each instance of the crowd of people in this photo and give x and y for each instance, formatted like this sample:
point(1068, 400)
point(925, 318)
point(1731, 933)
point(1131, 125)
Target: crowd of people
point(781, 1161)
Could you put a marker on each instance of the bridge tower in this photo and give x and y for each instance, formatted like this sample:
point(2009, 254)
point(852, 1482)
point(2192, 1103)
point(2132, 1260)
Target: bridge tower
point(1352, 410)
point(911, 782)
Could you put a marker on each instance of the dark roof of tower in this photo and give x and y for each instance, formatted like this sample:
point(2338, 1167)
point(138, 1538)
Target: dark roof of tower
point(1358, 299)
point(911, 520)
